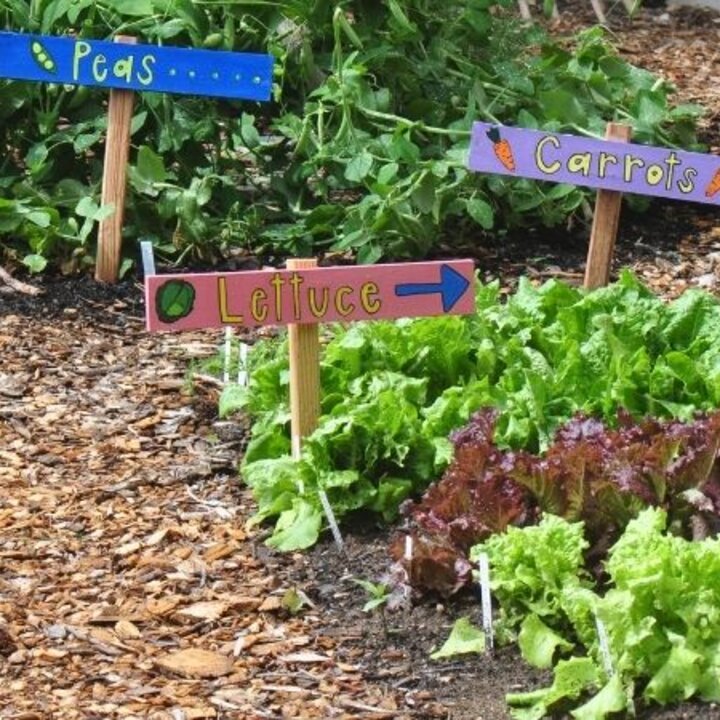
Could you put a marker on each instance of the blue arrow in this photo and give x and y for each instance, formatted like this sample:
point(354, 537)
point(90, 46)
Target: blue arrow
point(451, 287)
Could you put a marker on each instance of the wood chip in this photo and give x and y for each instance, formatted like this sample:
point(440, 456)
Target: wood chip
point(304, 657)
point(211, 610)
point(194, 662)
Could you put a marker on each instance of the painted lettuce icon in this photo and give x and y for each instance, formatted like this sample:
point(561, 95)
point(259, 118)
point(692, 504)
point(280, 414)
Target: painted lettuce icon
point(174, 300)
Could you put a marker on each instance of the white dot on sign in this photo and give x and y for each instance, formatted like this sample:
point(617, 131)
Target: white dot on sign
point(215, 76)
point(173, 72)
point(237, 76)
point(256, 80)
point(191, 74)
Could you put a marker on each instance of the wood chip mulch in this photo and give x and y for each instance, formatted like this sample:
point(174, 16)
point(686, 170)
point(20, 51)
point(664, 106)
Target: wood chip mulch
point(130, 584)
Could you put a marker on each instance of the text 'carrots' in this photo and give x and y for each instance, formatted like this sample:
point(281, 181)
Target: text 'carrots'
point(502, 148)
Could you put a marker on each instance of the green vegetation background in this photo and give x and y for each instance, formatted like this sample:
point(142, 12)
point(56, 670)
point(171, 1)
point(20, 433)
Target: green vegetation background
point(362, 149)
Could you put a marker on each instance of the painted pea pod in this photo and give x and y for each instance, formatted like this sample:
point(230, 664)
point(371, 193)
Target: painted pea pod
point(41, 55)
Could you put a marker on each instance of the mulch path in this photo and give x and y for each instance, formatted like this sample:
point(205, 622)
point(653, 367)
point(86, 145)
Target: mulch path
point(131, 584)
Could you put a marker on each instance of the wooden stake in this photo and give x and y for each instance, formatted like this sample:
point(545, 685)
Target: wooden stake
point(605, 222)
point(117, 148)
point(304, 372)
point(304, 340)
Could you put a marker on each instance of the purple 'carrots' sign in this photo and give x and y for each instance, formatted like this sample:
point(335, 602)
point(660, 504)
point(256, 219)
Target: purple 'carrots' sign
point(627, 167)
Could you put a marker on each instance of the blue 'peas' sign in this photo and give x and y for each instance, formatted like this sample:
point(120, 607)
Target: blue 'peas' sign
point(74, 61)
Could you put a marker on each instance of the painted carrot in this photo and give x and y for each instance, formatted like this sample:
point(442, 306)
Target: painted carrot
point(502, 148)
point(42, 57)
point(713, 187)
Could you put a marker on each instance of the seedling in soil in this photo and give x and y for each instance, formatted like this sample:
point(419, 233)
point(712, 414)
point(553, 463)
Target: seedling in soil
point(379, 594)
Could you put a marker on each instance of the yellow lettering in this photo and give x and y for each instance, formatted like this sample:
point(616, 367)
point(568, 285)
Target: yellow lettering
point(579, 163)
point(340, 305)
point(81, 50)
point(258, 312)
point(296, 280)
point(671, 161)
point(277, 282)
point(147, 62)
point(123, 68)
point(654, 175)
point(225, 315)
point(318, 312)
point(686, 185)
point(539, 160)
point(370, 306)
point(630, 163)
point(605, 160)
point(97, 68)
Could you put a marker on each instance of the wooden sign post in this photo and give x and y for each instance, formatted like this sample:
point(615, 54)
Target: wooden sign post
point(123, 67)
point(117, 151)
point(304, 349)
point(302, 297)
point(606, 220)
point(604, 164)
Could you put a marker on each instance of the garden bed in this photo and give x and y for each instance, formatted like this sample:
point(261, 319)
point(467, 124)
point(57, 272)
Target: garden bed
point(83, 501)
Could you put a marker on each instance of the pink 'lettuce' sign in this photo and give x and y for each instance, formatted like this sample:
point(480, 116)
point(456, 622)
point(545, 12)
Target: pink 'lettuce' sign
point(314, 295)
point(576, 160)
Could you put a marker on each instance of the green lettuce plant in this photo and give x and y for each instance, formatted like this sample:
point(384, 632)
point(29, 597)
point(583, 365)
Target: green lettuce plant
point(392, 392)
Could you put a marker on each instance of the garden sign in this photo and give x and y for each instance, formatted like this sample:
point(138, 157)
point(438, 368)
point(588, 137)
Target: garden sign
point(607, 165)
point(302, 297)
point(124, 67)
point(311, 295)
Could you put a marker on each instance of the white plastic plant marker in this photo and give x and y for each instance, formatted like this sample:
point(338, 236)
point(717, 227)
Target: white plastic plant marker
point(243, 377)
point(148, 257)
point(408, 548)
point(296, 451)
point(485, 600)
point(604, 646)
point(227, 355)
point(330, 515)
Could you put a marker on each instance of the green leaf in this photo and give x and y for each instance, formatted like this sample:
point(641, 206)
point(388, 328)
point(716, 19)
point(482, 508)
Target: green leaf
point(233, 398)
point(538, 642)
point(464, 638)
point(387, 173)
point(611, 699)
point(571, 679)
point(359, 167)
point(88, 208)
point(481, 212)
point(35, 263)
point(36, 157)
point(41, 218)
point(150, 166)
point(140, 8)
point(297, 528)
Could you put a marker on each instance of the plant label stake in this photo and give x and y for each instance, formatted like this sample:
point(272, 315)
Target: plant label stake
point(606, 220)
point(242, 378)
point(302, 297)
point(607, 165)
point(604, 646)
point(408, 554)
point(486, 601)
point(227, 355)
point(304, 349)
point(127, 67)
